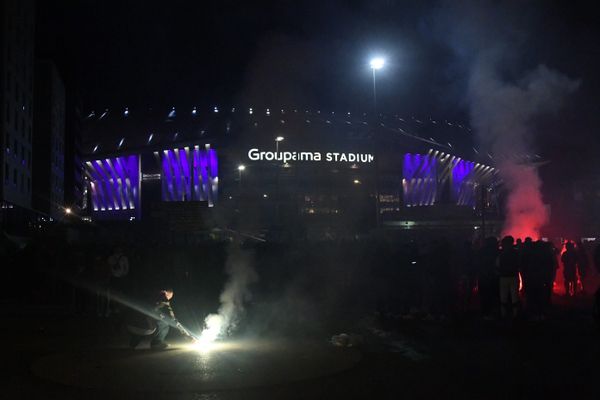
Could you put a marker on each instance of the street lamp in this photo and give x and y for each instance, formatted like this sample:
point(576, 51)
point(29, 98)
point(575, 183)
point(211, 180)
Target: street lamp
point(67, 210)
point(240, 169)
point(277, 140)
point(376, 63)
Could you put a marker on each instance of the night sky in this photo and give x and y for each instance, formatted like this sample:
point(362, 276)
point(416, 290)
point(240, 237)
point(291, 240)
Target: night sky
point(144, 52)
point(315, 55)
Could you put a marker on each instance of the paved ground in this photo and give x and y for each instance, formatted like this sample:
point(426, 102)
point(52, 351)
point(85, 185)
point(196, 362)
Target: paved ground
point(51, 355)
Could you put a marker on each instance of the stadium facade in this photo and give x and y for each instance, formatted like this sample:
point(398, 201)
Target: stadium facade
point(286, 172)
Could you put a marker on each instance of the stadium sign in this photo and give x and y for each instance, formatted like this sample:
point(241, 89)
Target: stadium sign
point(286, 156)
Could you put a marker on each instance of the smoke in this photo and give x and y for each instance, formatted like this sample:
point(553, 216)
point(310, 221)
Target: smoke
point(503, 114)
point(506, 96)
point(241, 274)
point(526, 211)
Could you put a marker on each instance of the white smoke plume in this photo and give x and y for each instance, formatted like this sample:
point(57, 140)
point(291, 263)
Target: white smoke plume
point(495, 42)
point(503, 114)
point(241, 274)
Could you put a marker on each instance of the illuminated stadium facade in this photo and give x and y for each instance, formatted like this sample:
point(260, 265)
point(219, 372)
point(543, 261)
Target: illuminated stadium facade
point(324, 174)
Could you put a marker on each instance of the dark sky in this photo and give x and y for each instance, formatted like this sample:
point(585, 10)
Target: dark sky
point(312, 54)
point(138, 52)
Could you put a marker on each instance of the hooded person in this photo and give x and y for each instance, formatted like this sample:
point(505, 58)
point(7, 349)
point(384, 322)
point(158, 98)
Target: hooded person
point(156, 327)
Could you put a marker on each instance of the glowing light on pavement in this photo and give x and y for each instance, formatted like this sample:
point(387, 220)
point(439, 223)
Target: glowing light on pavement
point(202, 347)
point(224, 346)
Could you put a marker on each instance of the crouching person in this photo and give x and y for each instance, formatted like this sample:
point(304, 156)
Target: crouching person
point(166, 317)
point(158, 327)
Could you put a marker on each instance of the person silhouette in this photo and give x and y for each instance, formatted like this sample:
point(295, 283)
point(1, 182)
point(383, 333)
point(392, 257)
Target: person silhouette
point(508, 270)
point(569, 260)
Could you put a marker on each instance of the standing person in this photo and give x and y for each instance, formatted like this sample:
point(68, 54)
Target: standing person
point(539, 280)
point(582, 265)
point(508, 270)
point(488, 277)
point(528, 266)
point(548, 265)
point(569, 260)
point(555, 260)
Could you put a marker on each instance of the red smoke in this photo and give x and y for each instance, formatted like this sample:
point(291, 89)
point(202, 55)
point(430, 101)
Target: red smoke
point(525, 211)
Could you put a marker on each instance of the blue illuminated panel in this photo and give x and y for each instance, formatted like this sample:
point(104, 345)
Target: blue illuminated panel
point(419, 181)
point(114, 184)
point(463, 184)
point(190, 175)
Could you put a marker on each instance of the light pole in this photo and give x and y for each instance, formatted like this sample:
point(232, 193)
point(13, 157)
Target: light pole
point(376, 63)
point(277, 140)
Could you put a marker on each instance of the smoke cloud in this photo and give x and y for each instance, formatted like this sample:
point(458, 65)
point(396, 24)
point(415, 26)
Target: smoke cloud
point(503, 113)
point(241, 274)
point(494, 42)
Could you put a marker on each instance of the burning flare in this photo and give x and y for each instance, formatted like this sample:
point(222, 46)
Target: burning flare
point(213, 326)
point(236, 291)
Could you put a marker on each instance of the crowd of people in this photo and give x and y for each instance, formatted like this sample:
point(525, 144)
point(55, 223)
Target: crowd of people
point(505, 278)
point(436, 278)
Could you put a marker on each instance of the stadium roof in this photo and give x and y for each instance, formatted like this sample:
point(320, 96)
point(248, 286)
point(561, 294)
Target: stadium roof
point(127, 130)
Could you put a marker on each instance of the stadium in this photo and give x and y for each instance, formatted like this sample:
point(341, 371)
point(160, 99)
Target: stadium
point(287, 172)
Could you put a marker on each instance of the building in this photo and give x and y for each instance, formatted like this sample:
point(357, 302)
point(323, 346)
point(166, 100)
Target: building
point(74, 173)
point(286, 172)
point(16, 105)
point(49, 141)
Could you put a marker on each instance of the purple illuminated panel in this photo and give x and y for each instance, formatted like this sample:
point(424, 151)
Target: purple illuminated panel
point(463, 184)
point(419, 181)
point(115, 184)
point(190, 175)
